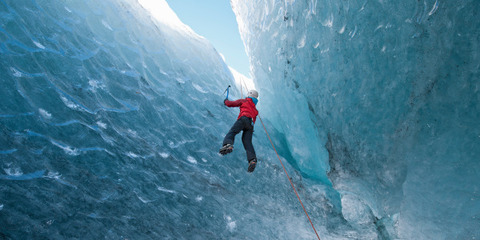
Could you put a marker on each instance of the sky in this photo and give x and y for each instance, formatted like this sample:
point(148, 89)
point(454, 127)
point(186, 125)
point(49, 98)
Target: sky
point(215, 20)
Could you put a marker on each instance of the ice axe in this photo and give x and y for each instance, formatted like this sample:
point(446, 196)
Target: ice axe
point(227, 91)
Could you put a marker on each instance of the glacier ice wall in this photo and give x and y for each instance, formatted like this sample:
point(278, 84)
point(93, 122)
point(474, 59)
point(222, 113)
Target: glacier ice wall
point(110, 122)
point(110, 125)
point(383, 99)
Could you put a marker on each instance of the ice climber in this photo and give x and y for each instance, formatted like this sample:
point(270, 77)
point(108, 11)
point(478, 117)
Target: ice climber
point(245, 122)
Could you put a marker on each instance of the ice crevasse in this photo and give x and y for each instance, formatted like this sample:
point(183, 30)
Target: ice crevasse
point(111, 118)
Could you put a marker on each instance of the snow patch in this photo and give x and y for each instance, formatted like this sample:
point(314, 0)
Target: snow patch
point(44, 113)
point(132, 155)
point(13, 171)
point(231, 225)
point(200, 89)
point(69, 103)
point(39, 45)
point(165, 190)
point(241, 81)
point(302, 41)
point(102, 125)
point(192, 159)
point(16, 73)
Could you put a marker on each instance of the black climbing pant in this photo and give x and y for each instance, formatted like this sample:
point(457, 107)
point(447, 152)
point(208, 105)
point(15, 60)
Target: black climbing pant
point(244, 124)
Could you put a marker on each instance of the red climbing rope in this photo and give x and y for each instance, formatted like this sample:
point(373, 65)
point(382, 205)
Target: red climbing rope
point(291, 183)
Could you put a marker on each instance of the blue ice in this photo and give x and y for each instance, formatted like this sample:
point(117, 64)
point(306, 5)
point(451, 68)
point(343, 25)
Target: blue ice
point(373, 107)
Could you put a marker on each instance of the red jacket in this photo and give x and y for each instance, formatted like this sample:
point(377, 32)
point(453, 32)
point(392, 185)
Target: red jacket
point(247, 108)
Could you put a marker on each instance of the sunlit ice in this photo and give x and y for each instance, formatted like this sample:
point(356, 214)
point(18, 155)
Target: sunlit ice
point(161, 11)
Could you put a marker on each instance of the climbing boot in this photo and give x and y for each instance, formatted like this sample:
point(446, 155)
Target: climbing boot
point(252, 164)
point(226, 149)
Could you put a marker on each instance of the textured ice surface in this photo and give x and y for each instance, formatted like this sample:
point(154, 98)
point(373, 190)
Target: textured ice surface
point(391, 90)
point(111, 121)
point(110, 125)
